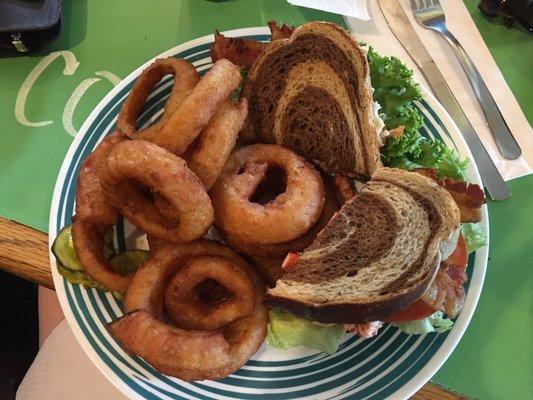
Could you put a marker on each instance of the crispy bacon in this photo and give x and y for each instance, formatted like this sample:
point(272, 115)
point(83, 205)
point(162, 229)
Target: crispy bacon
point(469, 197)
point(243, 52)
point(447, 293)
point(279, 32)
point(365, 330)
point(397, 132)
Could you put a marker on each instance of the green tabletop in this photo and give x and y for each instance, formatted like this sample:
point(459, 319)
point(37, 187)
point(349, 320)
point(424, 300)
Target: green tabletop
point(494, 360)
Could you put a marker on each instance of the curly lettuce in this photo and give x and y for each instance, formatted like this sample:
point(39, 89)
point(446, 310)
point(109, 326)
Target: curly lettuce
point(412, 151)
point(474, 236)
point(395, 90)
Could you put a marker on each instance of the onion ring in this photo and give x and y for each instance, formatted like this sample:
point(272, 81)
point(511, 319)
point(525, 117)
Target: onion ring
point(185, 78)
point(148, 285)
point(88, 242)
point(188, 355)
point(91, 204)
point(164, 173)
point(286, 217)
point(280, 250)
point(187, 310)
point(155, 243)
point(246, 335)
point(195, 111)
point(216, 141)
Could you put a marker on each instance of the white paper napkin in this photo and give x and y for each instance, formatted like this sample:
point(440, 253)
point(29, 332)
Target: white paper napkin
point(377, 33)
point(62, 371)
point(350, 8)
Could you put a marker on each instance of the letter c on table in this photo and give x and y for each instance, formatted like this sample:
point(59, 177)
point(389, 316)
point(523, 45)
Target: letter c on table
point(71, 64)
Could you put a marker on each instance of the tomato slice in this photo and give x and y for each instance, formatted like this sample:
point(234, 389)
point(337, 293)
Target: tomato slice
point(289, 261)
point(446, 293)
point(418, 310)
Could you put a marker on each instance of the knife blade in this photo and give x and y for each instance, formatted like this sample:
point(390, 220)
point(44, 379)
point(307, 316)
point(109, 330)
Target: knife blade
point(403, 30)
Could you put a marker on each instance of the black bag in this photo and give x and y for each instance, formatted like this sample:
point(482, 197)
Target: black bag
point(26, 26)
point(520, 11)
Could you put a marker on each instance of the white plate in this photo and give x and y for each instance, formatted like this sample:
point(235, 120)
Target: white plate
point(392, 365)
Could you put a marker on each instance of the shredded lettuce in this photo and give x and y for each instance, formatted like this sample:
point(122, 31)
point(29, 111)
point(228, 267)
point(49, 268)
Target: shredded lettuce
point(434, 323)
point(286, 330)
point(395, 90)
point(474, 236)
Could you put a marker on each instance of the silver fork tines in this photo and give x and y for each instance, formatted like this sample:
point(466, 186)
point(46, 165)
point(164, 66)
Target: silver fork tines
point(429, 14)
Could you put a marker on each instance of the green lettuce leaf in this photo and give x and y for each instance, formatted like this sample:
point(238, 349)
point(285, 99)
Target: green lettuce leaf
point(434, 323)
point(411, 150)
point(235, 96)
point(286, 330)
point(474, 236)
point(395, 90)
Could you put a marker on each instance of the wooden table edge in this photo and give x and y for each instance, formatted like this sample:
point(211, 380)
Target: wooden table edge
point(24, 253)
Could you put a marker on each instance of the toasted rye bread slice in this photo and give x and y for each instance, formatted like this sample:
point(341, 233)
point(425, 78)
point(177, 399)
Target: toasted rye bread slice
point(376, 256)
point(312, 93)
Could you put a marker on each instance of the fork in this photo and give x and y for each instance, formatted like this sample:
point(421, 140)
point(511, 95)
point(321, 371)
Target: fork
point(430, 15)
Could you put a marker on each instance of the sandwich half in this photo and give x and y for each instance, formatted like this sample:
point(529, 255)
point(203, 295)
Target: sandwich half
point(376, 256)
point(311, 93)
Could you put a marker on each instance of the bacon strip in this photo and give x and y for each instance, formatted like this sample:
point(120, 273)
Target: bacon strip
point(469, 197)
point(447, 293)
point(243, 52)
point(279, 32)
point(365, 330)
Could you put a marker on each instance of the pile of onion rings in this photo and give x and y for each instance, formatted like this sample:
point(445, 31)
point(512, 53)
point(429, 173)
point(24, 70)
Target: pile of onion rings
point(193, 309)
point(147, 182)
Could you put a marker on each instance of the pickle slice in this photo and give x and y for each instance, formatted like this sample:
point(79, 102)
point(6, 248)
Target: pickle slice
point(77, 277)
point(128, 261)
point(63, 249)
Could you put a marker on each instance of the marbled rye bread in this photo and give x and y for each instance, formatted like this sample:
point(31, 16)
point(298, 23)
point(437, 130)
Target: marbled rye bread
point(312, 93)
point(376, 256)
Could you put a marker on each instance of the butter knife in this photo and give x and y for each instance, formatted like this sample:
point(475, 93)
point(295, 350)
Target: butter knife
point(401, 27)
